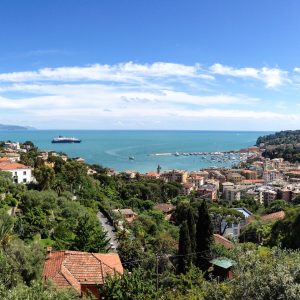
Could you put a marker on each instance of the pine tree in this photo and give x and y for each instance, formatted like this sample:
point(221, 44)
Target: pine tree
point(184, 252)
point(204, 236)
point(90, 236)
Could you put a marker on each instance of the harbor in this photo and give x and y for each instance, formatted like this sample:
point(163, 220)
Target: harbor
point(234, 156)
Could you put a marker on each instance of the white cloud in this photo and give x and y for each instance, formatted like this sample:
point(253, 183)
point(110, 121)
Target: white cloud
point(272, 77)
point(109, 97)
point(120, 73)
point(141, 93)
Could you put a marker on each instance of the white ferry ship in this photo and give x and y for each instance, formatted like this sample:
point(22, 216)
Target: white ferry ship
point(63, 139)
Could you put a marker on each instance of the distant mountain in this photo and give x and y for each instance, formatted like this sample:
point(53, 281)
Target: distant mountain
point(14, 127)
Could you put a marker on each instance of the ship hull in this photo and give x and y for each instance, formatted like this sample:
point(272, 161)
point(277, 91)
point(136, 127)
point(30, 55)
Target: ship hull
point(65, 142)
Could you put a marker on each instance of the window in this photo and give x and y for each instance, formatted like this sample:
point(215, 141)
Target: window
point(24, 172)
point(16, 174)
point(24, 180)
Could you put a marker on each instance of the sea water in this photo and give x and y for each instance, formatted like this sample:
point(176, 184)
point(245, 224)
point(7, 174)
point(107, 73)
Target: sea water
point(112, 148)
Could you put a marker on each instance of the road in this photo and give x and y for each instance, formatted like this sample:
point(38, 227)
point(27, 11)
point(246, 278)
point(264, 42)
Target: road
point(109, 229)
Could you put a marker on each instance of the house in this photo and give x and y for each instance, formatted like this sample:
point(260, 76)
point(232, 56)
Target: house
point(273, 217)
point(126, 213)
point(249, 174)
point(175, 176)
point(81, 270)
point(12, 146)
point(221, 240)
point(222, 268)
point(209, 192)
point(279, 215)
point(196, 180)
point(187, 188)
point(13, 156)
point(235, 177)
point(232, 194)
point(234, 230)
point(166, 208)
point(213, 182)
point(226, 185)
point(79, 159)
point(91, 172)
point(151, 175)
point(20, 173)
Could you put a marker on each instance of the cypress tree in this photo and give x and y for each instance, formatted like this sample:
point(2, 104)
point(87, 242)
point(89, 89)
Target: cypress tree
point(184, 250)
point(204, 236)
point(192, 231)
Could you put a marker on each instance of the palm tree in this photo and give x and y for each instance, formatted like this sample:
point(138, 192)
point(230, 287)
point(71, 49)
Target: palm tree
point(6, 226)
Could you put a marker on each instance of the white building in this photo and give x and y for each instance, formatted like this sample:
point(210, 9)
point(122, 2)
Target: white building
point(233, 230)
point(20, 173)
point(196, 180)
point(13, 146)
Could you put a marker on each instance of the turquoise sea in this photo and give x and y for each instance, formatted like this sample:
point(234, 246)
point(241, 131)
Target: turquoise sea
point(112, 148)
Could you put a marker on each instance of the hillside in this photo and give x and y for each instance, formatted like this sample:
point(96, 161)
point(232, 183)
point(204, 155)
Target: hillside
point(13, 127)
point(282, 137)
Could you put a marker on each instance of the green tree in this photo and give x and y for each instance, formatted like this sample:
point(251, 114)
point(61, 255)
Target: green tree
point(6, 229)
point(45, 177)
point(222, 215)
point(204, 236)
point(138, 285)
point(89, 235)
point(38, 291)
point(184, 249)
point(192, 229)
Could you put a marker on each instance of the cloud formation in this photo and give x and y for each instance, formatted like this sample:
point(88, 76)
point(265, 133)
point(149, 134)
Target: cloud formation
point(272, 77)
point(157, 94)
point(120, 72)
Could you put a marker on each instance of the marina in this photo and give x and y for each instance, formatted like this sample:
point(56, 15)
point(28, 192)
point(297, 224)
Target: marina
point(214, 157)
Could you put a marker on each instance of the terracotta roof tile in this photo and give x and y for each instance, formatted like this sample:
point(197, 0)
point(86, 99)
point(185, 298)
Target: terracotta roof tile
point(4, 159)
point(75, 268)
point(165, 207)
point(274, 216)
point(223, 241)
point(12, 166)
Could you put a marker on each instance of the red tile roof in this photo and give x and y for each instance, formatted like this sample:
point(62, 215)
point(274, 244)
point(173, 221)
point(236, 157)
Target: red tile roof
point(223, 241)
point(4, 159)
point(7, 165)
point(274, 216)
point(75, 268)
point(152, 174)
point(252, 181)
point(165, 207)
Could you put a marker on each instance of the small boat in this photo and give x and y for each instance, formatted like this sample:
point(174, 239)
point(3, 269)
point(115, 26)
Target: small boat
point(131, 158)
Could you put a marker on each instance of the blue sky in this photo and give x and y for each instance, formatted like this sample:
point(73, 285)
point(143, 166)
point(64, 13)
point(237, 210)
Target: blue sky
point(139, 64)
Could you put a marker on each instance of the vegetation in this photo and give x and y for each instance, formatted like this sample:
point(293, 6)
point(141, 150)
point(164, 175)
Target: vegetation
point(284, 144)
point(282, 137)
point(166, 259)
point(260, 273)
